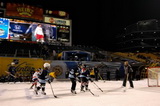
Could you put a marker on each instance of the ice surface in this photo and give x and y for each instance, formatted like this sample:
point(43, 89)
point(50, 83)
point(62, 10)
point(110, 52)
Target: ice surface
point(19, 94)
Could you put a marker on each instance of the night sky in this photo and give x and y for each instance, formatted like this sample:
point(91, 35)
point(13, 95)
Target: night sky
point(98, 22)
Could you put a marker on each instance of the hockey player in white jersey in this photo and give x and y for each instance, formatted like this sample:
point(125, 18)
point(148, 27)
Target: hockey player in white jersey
point(72, 76)
point(35, 78)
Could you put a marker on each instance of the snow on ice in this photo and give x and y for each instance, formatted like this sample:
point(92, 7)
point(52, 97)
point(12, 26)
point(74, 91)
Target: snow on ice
point(19, 94)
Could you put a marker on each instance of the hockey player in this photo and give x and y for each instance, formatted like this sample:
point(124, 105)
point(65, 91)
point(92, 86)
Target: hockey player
point(11, 72)
point(39, 33)
point(128, 74)
point(84, 75)
point(72, 76)
point(43, 76)
point(35, 78)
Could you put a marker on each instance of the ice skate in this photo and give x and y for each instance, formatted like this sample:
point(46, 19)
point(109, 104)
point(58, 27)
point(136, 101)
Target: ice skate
point(31, 87)
point(87, 89)
point(43, 93)
point(74, 92)
point(36, 92)
point(82, 90)
point(131, 87)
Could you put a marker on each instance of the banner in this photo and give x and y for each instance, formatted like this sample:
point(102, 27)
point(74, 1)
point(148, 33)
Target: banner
point(57, 21)
point(19, 28)
point(25, 11)
point(24, 68)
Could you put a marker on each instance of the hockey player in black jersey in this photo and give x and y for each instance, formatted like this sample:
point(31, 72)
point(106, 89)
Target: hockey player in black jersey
point(43, 76)
point(11, 73)
point(84, 75)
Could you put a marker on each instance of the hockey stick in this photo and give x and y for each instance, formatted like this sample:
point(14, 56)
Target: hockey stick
point(101, 77)
point(97, 86)
point(10, 74)
point(91, 92)
point(52, 91)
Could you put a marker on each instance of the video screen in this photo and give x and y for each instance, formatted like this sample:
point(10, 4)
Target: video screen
point(63, 33)
point(31, 31)
point(26, 30)
point(4, 28)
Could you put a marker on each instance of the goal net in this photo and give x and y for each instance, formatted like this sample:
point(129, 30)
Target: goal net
point(153, 76)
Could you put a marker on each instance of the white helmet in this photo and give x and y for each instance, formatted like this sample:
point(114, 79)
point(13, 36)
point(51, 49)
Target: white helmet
point(12, 63)
point(46, 65)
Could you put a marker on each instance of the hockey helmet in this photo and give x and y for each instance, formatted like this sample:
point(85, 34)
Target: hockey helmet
point(12, 63)
point(46, 65)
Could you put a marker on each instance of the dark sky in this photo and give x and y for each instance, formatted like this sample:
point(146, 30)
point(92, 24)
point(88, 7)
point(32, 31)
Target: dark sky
point(97, 22)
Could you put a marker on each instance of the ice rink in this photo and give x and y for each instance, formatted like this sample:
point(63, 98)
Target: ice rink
point(19, 94)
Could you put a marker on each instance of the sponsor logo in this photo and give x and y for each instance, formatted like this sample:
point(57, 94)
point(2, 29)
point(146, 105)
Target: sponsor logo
point(18, 27)
point(60, 22)
point(24, 67)
point(25, 11)
point(58, 70)
point(51, 20)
